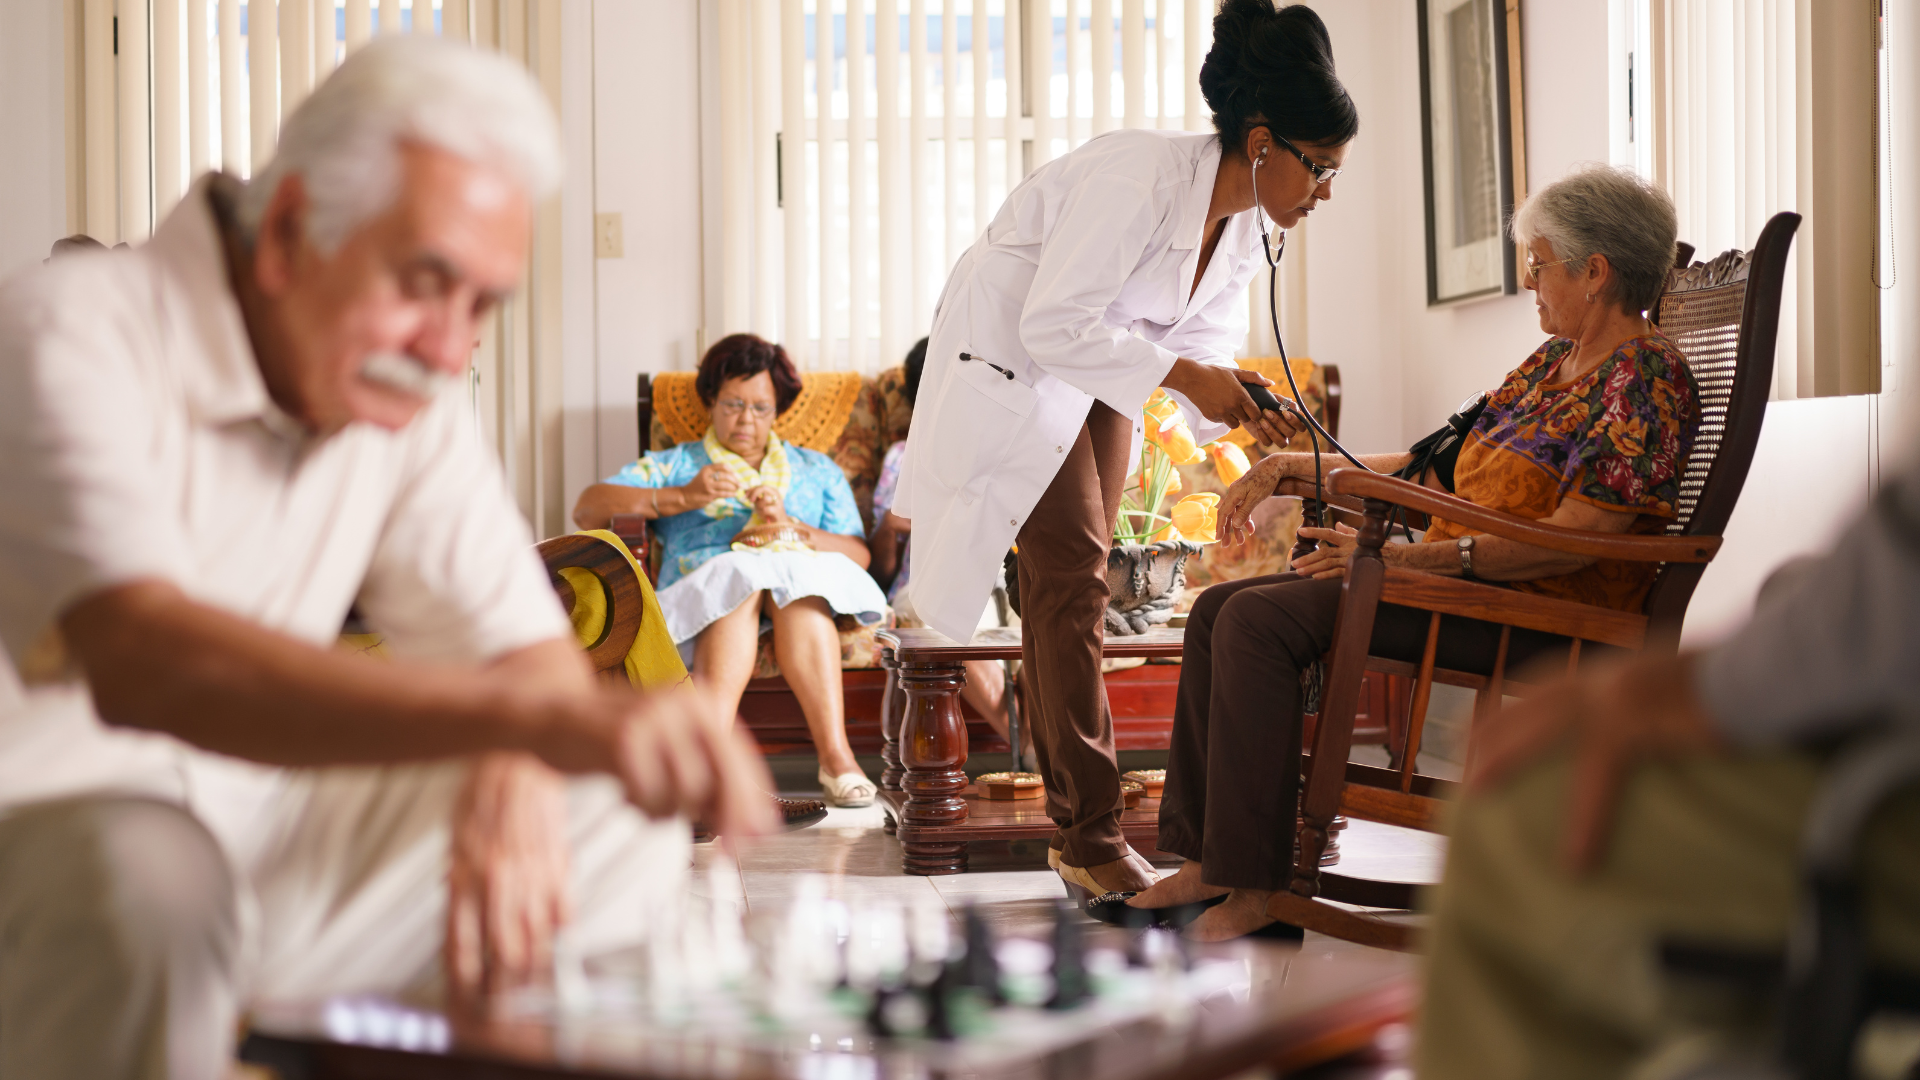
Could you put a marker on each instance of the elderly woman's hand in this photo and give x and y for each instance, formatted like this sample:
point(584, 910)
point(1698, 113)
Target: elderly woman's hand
point(768, 504)
point(709, 484)
point(1245, 496)
point(1335, 550)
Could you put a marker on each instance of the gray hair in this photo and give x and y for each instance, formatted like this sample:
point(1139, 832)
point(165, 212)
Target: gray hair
point(1611, 211)
point(344, 139)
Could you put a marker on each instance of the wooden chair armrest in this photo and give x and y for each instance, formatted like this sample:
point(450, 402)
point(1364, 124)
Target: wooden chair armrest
point(1387, 489)
point(633, 531)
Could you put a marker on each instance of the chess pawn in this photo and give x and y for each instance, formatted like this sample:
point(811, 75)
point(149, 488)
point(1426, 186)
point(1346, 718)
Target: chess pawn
point(572, 991)
point(877, 948)
point(1070, 983)
point(1165, 955)
point(978, 967)
point(930, 941)
point(726, 909)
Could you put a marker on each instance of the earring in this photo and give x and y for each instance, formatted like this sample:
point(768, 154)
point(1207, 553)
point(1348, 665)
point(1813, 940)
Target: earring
point(1589, 298)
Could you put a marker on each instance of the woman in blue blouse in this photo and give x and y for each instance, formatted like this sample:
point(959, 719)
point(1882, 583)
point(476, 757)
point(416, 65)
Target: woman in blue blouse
point(719, 594)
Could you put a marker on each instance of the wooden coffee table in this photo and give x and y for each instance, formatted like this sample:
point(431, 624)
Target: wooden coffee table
point(931, 806)
point(1288, 1008)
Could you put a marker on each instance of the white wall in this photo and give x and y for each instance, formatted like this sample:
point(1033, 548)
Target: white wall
point(635, 65)
point(33, 170)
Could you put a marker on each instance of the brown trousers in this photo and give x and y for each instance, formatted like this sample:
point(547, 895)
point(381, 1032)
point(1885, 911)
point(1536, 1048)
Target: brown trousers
point(1233, 773)
point(1063, 595)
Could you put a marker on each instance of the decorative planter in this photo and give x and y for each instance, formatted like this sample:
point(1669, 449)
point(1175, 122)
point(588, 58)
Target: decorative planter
point(1143, 580)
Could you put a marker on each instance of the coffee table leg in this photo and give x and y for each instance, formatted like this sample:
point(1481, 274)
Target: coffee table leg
point(933, 750)
point(893, 703)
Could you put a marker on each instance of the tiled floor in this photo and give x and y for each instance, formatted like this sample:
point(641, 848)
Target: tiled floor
point(1009, 884)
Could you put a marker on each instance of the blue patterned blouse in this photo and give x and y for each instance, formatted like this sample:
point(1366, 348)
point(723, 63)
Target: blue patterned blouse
point(818, 495)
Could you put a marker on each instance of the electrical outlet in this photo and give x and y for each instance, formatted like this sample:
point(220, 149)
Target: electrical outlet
point(607, 241)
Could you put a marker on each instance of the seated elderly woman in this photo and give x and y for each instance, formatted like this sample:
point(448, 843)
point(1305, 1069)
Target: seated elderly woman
point(756, 535)
point(1591, 432)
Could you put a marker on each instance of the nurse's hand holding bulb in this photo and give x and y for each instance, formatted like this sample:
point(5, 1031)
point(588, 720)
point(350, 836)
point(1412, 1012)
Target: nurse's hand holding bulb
point(1217, 392)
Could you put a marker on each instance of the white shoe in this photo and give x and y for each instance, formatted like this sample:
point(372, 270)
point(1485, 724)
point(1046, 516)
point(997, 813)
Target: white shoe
point(848, 789)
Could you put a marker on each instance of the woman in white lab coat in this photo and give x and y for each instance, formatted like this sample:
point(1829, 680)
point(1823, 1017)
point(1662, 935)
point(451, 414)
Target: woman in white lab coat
point(1106, 274)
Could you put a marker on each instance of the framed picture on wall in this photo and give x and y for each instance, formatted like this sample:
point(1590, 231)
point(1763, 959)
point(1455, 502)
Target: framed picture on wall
point(1473, 139)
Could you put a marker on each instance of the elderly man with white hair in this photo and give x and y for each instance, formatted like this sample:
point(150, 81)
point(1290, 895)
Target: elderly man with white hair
point(212, 447)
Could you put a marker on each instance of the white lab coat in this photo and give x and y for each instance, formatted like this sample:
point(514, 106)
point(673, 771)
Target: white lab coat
point(1079, 288)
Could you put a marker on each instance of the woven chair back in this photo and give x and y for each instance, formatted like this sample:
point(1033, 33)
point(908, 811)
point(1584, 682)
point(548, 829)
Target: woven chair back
point(1724, 315)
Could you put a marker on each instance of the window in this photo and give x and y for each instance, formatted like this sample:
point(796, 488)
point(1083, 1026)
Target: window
point(866, 143)
point(1738, 85)
point(164, 90)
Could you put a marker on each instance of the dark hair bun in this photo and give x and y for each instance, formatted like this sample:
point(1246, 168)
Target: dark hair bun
point(1275, 68)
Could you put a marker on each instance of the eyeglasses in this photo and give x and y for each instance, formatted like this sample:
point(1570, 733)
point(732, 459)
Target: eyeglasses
point(734, 407)
point(1322, 174)
point(1534, 267)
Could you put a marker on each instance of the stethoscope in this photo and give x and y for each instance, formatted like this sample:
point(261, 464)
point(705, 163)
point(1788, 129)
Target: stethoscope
point(1263, 397)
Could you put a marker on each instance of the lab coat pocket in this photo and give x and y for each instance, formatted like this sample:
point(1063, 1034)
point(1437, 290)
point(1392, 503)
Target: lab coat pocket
point(1003, 389)
point(978, 424)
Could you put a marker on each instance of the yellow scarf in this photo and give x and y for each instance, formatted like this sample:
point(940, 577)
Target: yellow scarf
point(653, 662)
point(775, 471)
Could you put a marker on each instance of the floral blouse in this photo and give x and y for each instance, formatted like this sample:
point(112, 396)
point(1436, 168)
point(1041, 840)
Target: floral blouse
point(1617, 437)
point(817, 494)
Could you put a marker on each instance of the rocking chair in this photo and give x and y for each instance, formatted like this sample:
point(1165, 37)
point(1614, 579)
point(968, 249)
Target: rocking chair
point(1724, 316)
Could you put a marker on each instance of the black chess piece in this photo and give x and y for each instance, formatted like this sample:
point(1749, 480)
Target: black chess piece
point(979, 969)
point(939, 995)
point(1070, 984)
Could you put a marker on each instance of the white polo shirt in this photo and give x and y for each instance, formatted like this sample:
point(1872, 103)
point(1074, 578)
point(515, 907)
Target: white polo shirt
point(137, 441)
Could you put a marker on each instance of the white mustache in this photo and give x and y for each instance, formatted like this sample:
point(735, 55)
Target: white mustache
point(406, 374)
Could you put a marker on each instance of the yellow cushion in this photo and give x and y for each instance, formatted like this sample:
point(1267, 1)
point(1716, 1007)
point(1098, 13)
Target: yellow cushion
point(814, 420)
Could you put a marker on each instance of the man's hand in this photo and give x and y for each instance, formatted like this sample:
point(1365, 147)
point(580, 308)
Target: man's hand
point(708, 485)
point(1221, 396)
point(1245, 495)
point(1616, 717)
point(675, 753)
point(507, 877)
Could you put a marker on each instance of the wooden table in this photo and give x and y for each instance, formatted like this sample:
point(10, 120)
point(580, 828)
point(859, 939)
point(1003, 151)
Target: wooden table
point(931, 806)
point(1294, 1008)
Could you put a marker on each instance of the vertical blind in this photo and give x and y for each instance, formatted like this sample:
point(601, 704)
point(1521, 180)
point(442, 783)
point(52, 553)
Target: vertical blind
point(866, 143)
point(1767, 105)
point(173, 88)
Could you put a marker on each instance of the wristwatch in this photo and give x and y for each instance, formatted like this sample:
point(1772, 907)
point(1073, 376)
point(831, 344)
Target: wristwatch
point(1465, 544)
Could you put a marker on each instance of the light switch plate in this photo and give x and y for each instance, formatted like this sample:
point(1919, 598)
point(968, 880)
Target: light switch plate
point(607, 241)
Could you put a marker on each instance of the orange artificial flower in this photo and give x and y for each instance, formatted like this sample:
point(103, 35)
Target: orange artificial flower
point(1229, 461)
point(1177, 440)
point(1196, 517)
point(1161, 409)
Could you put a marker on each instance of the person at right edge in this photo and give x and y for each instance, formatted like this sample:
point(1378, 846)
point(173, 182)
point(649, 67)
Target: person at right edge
point(1109, 272)
point(1664, 801)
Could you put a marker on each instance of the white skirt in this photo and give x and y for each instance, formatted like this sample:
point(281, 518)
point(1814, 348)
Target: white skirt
point(724, 582)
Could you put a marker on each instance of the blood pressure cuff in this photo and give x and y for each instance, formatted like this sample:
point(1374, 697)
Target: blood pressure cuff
point(1441, 450)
